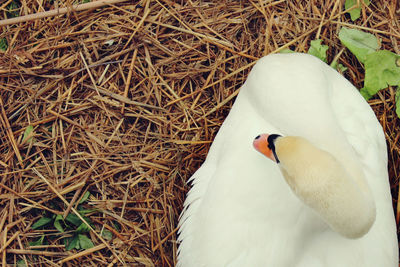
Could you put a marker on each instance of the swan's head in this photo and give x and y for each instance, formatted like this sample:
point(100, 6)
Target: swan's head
point(265, 144)
point(318, 179)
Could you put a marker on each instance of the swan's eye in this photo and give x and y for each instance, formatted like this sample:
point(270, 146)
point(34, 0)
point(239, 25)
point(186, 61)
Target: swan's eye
point(258, 136)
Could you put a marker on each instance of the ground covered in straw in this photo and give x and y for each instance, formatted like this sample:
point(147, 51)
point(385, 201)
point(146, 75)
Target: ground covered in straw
point(124, 101)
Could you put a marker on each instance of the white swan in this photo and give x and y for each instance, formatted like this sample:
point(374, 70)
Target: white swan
point(326, 203)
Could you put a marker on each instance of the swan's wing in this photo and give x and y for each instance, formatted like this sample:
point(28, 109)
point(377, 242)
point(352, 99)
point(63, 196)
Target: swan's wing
point(357, 119)
point(199, 180)
point(366, 136)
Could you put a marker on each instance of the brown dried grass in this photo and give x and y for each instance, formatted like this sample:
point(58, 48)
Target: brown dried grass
point(130, 121)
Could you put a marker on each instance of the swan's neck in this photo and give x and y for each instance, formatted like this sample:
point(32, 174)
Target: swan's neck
point(342, 198)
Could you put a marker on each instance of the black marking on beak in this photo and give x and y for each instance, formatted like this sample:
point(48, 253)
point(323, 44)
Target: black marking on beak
point(257, 137)
point(271, 145)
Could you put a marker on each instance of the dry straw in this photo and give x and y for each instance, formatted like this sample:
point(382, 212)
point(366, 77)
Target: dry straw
point(125, 100)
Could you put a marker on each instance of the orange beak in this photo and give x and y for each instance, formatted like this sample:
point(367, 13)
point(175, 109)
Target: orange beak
point(260, 143)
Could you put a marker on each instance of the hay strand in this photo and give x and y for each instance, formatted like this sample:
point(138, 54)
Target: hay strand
point(59, 11)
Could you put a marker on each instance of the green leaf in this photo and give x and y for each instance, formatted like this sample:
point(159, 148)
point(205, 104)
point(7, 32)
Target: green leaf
point(71, 242)
point(3, 44)
point(398, 101)
point(339, 67)
point(27, 132)
point(358, 42)
point(85, 197)
point(82, 1)
point(13, 9)
point(72, 218)
point(83, 228)
point(85, 242)
point(86, 211)
point(41, 222)
point(286, 51)
point(38, 242)
point(21, 263)
point(57, 223)
point(381, 70)
point(319, 50)
point(117, 226)
point(106, 234)
point(355, 12)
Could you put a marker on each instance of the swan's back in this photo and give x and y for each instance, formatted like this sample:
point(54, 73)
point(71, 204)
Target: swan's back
point(240, 211)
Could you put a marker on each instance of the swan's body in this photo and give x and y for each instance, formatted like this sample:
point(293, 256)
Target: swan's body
point(241, 210)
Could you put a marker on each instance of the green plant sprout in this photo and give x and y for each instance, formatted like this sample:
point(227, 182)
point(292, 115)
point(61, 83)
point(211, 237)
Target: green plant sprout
point(319, 50)
point(355, 13)
point(13, 9)
point(382, 67)
point(28, 131)
point(3, 44)
point(72, 223)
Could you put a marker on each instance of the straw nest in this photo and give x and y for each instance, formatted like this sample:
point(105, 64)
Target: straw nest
point(125, 100)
